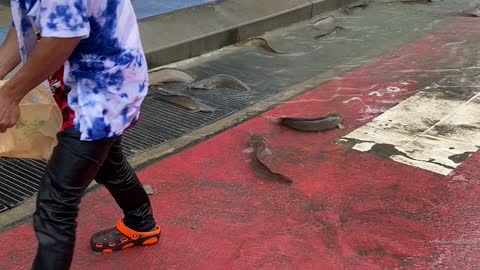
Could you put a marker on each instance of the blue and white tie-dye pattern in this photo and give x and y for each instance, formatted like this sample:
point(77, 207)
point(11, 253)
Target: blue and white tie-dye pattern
point(107, 72)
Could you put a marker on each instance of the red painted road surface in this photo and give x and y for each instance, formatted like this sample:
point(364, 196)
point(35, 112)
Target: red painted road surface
point(345, 209)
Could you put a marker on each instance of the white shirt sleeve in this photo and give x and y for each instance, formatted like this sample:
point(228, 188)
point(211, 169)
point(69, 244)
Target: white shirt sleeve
point(64, 18)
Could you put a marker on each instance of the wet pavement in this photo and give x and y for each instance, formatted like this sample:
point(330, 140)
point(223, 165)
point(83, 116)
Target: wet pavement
point(395, 189)
point(365, 37)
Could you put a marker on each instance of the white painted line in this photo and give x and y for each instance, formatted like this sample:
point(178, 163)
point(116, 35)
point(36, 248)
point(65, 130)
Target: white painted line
point(433, 130)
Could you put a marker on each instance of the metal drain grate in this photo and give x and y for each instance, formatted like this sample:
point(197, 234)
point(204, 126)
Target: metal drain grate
point(19, 180)
point(161, 122)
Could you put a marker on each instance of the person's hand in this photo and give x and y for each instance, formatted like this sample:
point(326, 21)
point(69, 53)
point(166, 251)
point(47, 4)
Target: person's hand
point(9, 111)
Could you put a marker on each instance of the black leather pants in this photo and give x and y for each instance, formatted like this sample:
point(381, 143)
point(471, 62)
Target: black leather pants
point(73, 166)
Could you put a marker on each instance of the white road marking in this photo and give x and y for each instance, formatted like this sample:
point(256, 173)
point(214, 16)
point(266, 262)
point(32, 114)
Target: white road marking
point(430, 130)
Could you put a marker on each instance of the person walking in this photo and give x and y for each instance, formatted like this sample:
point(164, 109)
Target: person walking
point(91, 54)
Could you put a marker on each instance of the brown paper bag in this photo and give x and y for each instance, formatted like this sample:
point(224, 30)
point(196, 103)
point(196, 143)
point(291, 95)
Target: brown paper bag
point(34, 136)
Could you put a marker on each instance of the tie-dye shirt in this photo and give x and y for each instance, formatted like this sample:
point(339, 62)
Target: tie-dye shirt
point(107, 73)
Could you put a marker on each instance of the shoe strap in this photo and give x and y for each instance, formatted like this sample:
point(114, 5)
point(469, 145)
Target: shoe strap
point(121, 227)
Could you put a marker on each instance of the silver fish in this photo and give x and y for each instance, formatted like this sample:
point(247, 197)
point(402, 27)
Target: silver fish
point(259, 42)
point(471, 12)
point(314, 125)
point(182, 101)
point(219, 81)
point(171, 75)
point(360, 4)
point(259, 146)
point(328, 31)
point(320, 22)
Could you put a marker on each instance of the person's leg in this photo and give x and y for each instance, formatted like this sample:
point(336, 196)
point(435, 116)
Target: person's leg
point(121, 181)
point(71, 169)
point(138, 226)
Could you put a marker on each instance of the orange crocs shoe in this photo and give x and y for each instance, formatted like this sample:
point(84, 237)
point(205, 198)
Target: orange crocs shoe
point(121, 237)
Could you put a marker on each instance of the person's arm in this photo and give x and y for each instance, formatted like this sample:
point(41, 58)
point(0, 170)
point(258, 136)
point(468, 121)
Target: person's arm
point(47, 57)
point(59, 39)
point(9, 53)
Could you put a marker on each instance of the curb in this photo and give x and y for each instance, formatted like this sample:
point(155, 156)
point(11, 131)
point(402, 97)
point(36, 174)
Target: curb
point(178, 35)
